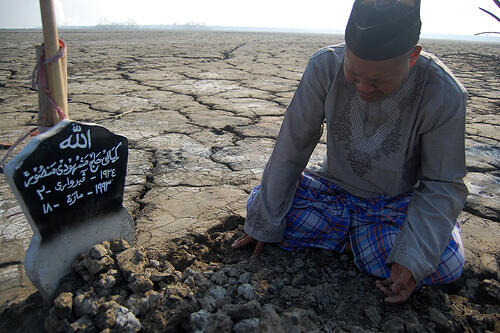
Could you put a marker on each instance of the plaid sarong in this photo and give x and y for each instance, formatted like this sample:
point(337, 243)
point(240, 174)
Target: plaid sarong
point(324, 216)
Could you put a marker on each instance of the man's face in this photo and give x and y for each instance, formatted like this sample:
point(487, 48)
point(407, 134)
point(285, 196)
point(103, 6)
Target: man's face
point(375, 80)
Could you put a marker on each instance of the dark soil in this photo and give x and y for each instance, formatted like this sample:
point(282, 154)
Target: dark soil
point(206, 286)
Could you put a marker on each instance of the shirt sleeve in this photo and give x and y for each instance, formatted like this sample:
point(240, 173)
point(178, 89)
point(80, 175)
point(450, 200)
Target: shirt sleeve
point(441, 193)
point(299, 133)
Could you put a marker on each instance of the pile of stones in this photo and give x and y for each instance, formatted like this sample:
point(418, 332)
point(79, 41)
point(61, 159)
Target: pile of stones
point(117, 288)
point(199, 284)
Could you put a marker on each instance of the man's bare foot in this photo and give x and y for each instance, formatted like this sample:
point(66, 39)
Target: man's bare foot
point(245, 240)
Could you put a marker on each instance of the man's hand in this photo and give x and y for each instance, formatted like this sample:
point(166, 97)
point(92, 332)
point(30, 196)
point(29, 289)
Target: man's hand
point(399, 286)
point(245, 240)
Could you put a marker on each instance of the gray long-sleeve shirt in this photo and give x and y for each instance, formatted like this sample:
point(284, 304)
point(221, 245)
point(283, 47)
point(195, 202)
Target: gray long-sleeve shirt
point(412, 139)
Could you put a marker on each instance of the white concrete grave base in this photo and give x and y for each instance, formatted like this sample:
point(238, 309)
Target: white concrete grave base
point(69, 182)
point(47, 262)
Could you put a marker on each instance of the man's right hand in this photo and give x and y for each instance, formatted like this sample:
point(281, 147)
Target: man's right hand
point(245, 240)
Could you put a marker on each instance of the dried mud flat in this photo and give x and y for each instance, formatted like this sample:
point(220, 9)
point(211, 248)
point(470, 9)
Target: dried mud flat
point(201, 111)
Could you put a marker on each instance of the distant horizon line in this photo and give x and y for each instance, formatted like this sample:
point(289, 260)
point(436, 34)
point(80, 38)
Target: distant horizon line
point(202, 27)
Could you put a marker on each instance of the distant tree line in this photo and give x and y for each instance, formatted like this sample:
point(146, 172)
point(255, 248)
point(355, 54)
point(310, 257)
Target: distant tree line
point(105, 23)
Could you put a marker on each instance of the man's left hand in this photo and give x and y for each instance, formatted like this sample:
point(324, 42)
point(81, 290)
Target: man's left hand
point(399, 286)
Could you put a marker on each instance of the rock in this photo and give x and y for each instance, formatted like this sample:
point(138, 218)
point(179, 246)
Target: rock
point(246, 291)
point(166, 266)
point(483, 199)
point(245, 278)
point(298, 279)
point(140, 304)
point(233, 272)
point(438, 318)
point(199, 279)
point(106, 281)
point(231, 289)
point(113, 272)
point(199, 321)
point(279, 270)
point(208, 303)
point(154, 298)
point(106, 316)
point(95, 266)
point(106, 245)
point(119, 245)
point(219, 278)
point(310, 300)
point(126, 321)
point(156, 276)
point(297, 318)
point(137, 304)
point(140, 284)
point(373, 315)
point(155, 321)
point(98, 251)
point(179, 290)
point(166, 278)
point(189, 281)
point(270, 322)
point(154, 263)
point(491, 290)
point(412, 324)
point(250, 325)
point(118, 298)
point(394, 325)
point(243, 311)
point(84, 305)
point(63, 304)
point(207, 274)
point(104, 292)
point(358, 329)
point(291, 292)
point(296, 266)
point(83, 324)
point(131, 261)
point(224, 322)
point(217, 292)
point(469, 290)
point(189, 272)
point(203, 321)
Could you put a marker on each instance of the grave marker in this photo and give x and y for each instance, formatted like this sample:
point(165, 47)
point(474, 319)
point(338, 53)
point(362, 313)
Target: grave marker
point(69, 182)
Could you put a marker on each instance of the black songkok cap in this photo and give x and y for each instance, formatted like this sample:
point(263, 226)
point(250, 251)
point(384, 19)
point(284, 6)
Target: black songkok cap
point(383, 29)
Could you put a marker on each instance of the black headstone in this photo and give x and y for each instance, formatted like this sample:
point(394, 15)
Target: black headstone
point(73, 173)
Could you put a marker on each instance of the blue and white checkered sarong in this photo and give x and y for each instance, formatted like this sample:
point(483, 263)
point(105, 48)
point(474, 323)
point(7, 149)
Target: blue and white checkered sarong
point(324, 216)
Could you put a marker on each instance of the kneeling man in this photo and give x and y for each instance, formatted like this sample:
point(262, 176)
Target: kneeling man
point(391, 184)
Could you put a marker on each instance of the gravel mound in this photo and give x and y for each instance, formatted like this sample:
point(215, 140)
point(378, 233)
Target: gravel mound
point(200, 284)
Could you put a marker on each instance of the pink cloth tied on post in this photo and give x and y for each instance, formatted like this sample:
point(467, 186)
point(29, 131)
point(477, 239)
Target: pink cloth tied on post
point(39, 75)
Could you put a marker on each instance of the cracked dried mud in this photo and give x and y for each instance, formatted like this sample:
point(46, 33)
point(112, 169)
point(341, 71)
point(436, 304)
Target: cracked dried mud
point(202, 111)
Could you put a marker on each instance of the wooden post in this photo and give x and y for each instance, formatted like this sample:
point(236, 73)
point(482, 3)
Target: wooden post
point(55, 70)
point(46, 115)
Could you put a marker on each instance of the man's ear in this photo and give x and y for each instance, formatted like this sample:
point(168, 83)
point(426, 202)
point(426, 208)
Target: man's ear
point(414, 55)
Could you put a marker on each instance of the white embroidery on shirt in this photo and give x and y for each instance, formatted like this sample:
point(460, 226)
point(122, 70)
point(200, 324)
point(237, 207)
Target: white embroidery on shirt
point(361, 148)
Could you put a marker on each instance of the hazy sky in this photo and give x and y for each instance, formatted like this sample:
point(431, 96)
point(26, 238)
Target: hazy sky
point(461, 17)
